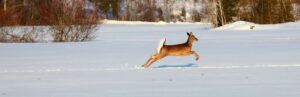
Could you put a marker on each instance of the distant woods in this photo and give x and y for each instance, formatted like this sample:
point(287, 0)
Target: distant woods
point(217, 12)
point(65, 20)
point(43, 12)
point(257, 11)
point(77, 20)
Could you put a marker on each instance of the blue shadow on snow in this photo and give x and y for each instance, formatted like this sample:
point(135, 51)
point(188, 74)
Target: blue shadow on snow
point(177, 66)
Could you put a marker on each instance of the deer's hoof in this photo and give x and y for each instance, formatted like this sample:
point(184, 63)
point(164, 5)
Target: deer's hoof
point(144, 66)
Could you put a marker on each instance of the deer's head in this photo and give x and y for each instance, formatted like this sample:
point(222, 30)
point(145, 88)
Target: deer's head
point(191, 37)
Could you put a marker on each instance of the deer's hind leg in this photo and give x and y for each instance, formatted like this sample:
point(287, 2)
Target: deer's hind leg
point(153, 59)
point(147, 62)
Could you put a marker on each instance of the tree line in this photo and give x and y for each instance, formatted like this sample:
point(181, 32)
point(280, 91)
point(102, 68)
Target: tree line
point(258, 11)
point(217, 12)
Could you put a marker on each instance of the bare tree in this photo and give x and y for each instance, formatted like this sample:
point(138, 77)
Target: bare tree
point(220, 13)
point(69, 22)
point(167, 8)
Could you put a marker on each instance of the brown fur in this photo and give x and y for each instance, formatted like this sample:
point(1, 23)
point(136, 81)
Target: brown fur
point(183, 49)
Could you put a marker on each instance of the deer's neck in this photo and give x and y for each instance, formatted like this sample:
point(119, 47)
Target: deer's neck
point(189, 42)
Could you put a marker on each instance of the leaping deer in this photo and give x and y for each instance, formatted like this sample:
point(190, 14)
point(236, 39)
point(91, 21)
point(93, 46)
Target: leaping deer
point(183, 49)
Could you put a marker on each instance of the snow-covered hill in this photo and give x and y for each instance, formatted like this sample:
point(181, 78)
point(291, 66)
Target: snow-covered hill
point(235, 62)
point(243, 25)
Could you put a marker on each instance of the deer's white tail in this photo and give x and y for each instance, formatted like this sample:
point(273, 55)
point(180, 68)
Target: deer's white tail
point(160, 45)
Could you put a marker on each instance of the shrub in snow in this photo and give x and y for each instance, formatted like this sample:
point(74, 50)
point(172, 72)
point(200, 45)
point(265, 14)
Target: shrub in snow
point(69, 21)
point(77, 32)
point(18, 35)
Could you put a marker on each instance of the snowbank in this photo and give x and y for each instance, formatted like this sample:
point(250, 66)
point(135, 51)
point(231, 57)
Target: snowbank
point(243, 25)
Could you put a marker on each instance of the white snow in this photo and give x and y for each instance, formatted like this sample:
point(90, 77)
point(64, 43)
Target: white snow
point(235, 62)
point(243, 25)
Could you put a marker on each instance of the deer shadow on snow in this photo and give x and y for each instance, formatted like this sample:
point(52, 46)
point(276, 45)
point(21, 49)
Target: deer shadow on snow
point(189, 65)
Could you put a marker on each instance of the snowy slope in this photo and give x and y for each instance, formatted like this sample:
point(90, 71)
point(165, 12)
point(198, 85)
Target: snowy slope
point(243, 25)
point(235, 62)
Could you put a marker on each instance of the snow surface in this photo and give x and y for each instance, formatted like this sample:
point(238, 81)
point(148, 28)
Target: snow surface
point(243, 25)
point(235, 62)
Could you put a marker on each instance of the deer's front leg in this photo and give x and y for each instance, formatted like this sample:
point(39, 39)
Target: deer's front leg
point(195, 54)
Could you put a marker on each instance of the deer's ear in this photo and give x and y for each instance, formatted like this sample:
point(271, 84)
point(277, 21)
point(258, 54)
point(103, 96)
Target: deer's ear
point(188, 33)
point(191, 33)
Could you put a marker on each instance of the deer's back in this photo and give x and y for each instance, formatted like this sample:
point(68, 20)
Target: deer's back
point(176, 50)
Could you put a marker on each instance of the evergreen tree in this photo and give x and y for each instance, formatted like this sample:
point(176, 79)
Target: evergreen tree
point(109, 7)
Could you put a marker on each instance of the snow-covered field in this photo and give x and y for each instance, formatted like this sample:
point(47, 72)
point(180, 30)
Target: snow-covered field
point(235, 62)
